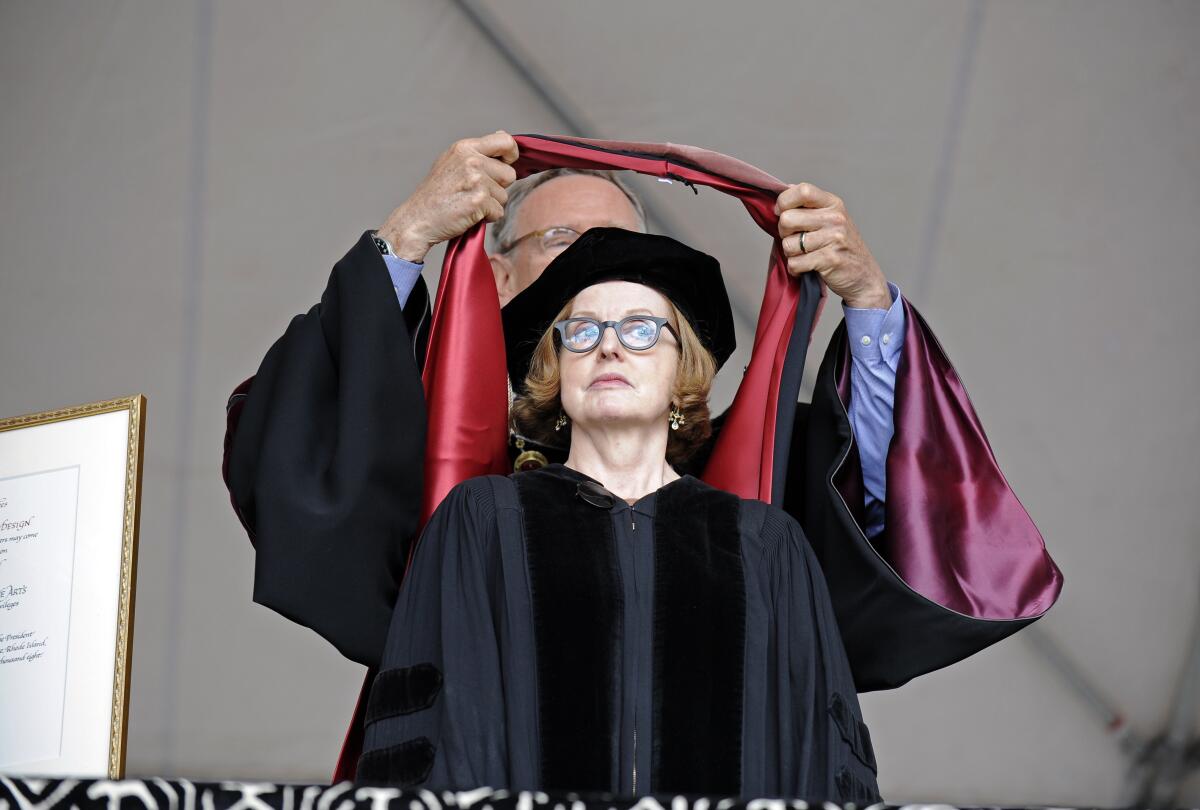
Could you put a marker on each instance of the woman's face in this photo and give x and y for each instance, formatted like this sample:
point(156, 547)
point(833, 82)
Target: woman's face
point(611, 384)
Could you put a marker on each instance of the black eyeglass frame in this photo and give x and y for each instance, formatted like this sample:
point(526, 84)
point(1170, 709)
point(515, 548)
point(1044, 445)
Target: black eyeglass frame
point(659, 323)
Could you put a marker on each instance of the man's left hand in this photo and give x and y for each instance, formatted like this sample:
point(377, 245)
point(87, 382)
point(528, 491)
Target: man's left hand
point(832, 244)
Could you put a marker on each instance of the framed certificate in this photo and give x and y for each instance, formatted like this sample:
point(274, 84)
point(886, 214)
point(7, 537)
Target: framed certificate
point(70, 488)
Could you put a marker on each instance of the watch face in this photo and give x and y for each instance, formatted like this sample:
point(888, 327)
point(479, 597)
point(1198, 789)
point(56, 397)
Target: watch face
point(382, 245)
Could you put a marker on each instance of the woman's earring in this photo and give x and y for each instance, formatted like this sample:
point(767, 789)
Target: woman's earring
point(676, 417)
point(562, 421)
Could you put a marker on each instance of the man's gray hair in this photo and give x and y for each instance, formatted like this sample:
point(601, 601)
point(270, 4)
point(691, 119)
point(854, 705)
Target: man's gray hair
point(502, 231)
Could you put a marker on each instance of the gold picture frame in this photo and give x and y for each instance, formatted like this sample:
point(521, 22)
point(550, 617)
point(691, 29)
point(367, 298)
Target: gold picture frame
point(46, 443)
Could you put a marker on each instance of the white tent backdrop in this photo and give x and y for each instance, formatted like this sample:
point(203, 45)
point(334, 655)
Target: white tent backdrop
point(176, 180)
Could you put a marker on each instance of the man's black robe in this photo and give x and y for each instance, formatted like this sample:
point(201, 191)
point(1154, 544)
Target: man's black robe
point(323, 456)
point(551, 636)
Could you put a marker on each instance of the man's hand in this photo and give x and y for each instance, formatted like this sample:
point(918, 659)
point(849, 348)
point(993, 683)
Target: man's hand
point(466, 184)
point(832, 246)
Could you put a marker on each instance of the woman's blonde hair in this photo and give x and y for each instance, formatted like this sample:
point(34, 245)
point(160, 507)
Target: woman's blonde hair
point(535, 412)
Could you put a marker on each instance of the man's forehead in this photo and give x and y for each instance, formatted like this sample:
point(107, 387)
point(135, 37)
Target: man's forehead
point(576, 201)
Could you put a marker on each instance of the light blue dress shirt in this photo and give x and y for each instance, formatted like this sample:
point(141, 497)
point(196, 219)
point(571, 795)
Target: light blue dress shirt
point(876, 337)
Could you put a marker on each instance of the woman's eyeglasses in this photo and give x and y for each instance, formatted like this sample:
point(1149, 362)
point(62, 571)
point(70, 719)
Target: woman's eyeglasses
point(551, 240)
point(636, 333)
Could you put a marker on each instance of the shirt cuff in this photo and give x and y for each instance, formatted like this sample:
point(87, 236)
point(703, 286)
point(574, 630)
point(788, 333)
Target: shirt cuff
point(876, 334)
point(404, 276)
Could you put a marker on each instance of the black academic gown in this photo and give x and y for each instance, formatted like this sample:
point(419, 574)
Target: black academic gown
point(323, 456)
point(551, 636)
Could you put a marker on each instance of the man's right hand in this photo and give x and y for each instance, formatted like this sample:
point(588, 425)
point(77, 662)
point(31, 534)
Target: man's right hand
point(466, 184)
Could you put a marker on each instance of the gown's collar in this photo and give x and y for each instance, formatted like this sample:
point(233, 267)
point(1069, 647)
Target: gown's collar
point(593, 492)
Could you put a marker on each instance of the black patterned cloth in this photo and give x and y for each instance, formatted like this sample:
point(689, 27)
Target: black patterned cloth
point(180, 794)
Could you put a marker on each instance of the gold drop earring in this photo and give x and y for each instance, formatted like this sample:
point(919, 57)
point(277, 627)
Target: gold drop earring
point(562, 421)
point(676, 418)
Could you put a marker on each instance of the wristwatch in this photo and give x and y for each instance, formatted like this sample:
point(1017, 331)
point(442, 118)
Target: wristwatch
point(385, 247)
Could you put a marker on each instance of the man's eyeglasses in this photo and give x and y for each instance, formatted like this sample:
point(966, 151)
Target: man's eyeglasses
point(636, 333)
point(551, 240)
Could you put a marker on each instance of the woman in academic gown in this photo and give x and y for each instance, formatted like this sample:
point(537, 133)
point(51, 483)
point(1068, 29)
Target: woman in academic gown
point(608, 625)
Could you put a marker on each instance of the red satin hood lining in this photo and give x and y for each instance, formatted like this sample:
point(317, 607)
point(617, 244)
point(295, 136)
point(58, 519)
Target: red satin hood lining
point(955, 531)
